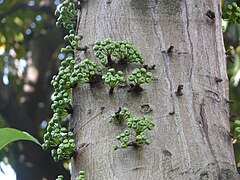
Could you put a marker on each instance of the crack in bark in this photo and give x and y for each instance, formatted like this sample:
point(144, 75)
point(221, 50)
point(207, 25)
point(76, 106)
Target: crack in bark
point(203, 119)
point(208, 60)
point(109, 1)
point(205, 130)
point(137, 167)
point(89, 121)
point(157, 30)
point(83, 145)
point(80, 149)
point(190, 41)
point(216, 98)
point(79, 8)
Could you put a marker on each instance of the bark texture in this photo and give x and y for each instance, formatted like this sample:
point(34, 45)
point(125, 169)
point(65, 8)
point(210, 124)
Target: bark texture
point(191, 137)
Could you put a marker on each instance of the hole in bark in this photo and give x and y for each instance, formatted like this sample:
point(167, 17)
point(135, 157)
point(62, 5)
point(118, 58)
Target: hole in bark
point(167, 153)
point(210, 14)
point(136, 88)
point(145, 108)
point(89, 111)
point(172, 113)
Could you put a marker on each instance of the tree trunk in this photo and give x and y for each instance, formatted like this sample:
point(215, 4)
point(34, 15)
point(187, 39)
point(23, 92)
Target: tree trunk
point(191, 138)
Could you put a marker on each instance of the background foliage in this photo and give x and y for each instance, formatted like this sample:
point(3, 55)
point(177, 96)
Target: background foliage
point(29, 49)
point(232, 38)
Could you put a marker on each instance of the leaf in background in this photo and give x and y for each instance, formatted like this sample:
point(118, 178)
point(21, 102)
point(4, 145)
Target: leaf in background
point(18, 21)
point(8, 135)
point(236, 71)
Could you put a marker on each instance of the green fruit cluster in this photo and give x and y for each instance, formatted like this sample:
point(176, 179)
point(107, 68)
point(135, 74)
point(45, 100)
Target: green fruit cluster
point(62, 82)
point(140, 76)
point(120, 116)
point(87, 70)
point(65, 148)
point(81, 175)
point(113, 79)
point(58, 136)
point(60, 177)
point(236, 130)
point(108, 51)
point(140, 124)
point(232, 13)
point(124, 139)
point(66, 13)
point(73, 42)
point(136, 135)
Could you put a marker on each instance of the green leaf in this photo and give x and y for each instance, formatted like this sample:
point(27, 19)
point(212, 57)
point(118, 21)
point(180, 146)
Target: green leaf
point(8, 135)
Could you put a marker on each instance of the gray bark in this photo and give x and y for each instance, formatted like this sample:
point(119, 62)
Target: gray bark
point(191, 137)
